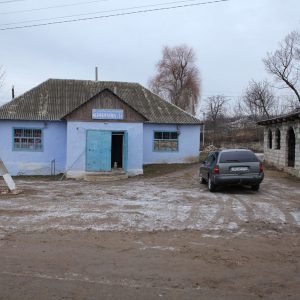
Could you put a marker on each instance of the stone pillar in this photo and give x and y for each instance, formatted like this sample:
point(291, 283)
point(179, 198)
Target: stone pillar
point(297, 150)
point(284, 147)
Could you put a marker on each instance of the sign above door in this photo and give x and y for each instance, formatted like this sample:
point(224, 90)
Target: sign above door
point(107, 114)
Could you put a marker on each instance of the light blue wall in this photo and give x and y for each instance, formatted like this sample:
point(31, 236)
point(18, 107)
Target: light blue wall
point(66, 143)
point(76, 145)
point(189, 144)
point(30, 162)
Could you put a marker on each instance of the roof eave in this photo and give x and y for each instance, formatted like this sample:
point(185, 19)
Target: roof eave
point(281, 119)
point(175, 123)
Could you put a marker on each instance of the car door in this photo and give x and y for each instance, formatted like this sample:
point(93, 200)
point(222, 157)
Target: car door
point(205, 167)
point(211, 163)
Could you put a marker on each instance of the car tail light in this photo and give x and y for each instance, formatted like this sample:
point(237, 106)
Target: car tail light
point(261, 168)
point(216, 170)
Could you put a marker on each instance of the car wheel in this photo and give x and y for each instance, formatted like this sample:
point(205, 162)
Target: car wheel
point(211, 186)
point(255, 187)
point(202, 180)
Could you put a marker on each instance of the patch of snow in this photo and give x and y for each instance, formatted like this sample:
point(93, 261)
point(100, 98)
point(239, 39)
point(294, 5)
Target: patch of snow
point(213, 236)
point(144, 205)
point(268, 212)
point(240, 210)
point(232, 226)
point(162, 248)
point(296, 216)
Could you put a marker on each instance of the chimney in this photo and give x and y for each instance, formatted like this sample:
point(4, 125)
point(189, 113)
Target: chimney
point(96, 74)
point(13, 92)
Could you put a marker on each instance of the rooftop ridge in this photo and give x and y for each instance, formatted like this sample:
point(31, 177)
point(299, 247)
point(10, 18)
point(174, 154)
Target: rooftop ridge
point(55, 98)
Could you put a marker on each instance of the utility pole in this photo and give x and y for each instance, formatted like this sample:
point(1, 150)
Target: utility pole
point(96, 73)
point(203, 127)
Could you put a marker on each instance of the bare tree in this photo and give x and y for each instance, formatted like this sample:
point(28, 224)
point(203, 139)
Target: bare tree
point(177, 79)
point(284, 63)
point(215, 108)
point(258, 100)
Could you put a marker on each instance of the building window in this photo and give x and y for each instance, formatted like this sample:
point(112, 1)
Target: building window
point(270, 139)
point(277, 138)
point(165, 141)
point(26, 139)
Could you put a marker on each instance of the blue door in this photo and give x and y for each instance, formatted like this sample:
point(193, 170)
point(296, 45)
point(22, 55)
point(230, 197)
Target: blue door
point(125, 151)
point(98, 151)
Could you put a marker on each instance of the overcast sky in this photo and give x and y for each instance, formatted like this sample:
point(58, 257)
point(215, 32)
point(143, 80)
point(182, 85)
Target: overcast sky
point(230, 39)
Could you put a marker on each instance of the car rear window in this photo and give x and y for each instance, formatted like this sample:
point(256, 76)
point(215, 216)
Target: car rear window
point(238, 156)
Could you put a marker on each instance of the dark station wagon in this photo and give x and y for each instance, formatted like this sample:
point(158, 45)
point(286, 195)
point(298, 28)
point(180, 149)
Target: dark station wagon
point(231, 167)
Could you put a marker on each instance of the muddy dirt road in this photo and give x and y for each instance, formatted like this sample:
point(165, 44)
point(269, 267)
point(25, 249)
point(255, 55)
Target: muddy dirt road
point(162, 236)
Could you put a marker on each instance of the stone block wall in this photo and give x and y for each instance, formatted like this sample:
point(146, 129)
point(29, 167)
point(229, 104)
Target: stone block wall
point(279, 157)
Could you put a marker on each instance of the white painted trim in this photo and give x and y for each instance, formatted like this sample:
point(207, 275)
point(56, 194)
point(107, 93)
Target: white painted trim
point(135, 172)
point(75, 174)
point(81, 174)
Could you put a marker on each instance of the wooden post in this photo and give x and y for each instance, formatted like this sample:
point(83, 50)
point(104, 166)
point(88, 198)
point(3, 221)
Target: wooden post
point(7, 178)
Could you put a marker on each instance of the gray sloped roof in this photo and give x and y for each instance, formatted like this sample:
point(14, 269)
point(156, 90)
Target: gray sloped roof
point(55, 98)
point(291, 116)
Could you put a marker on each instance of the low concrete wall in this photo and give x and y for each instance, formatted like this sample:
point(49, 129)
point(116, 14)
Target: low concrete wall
point(255, 146)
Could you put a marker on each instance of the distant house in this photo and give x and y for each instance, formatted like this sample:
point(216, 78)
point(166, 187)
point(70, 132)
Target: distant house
point(78, 126)
point(282, 141)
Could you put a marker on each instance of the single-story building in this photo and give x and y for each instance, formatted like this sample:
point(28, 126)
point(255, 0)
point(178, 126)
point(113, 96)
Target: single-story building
point(80, 126)
point(282, 141)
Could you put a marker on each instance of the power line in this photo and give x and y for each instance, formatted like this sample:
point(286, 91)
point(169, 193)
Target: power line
point(115, 15)
point(6, 2)
point(49, 7)
point(95, 13)
point(239, 96)
point(220, 94)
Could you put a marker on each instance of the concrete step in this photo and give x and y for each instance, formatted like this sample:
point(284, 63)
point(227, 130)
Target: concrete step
point(106, 176)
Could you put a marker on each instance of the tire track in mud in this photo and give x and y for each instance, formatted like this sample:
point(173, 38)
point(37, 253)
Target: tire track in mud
point(264, 215)
point(284, 209)
point(176, 200)
point(198, 217)
point(218, 219)
point(227, 214)
point(249, 213)
point(285, 199)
